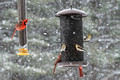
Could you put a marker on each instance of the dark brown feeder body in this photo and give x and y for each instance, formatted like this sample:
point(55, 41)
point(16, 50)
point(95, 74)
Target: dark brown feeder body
point(71, 34)
point(22, 16)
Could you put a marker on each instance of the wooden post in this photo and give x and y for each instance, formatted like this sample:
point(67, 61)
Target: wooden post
point(22, 16)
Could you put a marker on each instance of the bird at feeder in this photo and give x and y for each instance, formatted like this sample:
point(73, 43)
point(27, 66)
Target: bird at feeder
point(63, 48)
point(57, 61)
point(79, 48)
point(87, 38)
point(20, 26)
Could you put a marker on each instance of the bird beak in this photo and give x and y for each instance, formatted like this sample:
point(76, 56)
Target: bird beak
point(26, 20)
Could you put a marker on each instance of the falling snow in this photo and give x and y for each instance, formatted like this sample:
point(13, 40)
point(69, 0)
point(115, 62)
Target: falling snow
point(43, 40)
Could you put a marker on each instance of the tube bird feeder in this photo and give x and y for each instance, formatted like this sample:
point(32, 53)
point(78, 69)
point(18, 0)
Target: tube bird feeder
point(22, 33)
point(72, 52)
point(71, 36)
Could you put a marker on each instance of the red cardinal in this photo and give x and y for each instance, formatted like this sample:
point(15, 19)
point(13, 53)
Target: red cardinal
point(20, 26)
point(80, 71)
point(57, 61)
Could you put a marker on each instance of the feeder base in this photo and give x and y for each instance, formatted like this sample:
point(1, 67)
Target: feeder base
point(23, 51)
point(73, 64)
point(23, 54)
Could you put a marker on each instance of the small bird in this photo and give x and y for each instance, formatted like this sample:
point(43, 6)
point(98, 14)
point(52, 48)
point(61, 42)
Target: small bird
point(57, 61)
point(80, 71)
point(79, 48)
point(87, 38)
point(20, 26)
point(63, 48)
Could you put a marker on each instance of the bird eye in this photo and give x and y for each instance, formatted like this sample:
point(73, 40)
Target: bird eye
point(20, 21)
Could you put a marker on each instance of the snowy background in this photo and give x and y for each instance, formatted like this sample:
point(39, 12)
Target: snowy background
point(43, 33)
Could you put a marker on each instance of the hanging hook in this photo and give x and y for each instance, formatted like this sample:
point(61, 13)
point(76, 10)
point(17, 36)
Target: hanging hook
point(71, 6)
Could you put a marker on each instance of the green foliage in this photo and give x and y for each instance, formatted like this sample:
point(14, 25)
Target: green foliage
point(9, 13)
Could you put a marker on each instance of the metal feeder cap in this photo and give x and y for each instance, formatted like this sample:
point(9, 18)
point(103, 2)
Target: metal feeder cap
point(70, 12)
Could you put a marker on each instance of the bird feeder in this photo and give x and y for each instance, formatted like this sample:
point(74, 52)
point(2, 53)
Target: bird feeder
point(72, 54)
point(22, 33)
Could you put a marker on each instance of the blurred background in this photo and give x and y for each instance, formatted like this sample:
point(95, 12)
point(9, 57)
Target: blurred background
point(43, 37)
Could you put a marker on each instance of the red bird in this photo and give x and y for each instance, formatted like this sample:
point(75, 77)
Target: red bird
point(80, 71)
point(57, 61)
point(20, 26)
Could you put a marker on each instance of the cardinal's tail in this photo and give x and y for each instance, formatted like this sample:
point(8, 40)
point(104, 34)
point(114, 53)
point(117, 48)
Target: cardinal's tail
point(13, 34)
point(54, 69)
point(80, 71)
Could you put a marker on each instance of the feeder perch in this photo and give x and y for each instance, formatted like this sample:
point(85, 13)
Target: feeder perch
point(71, 35)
